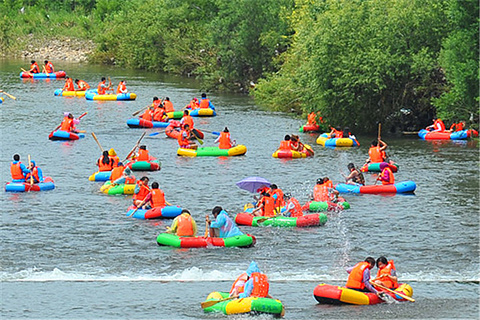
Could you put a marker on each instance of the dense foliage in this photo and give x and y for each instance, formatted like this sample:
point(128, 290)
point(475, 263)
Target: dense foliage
point(400, 62)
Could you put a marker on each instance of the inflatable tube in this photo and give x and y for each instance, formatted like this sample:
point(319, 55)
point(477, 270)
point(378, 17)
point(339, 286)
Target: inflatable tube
point(456, 135)
point(399, 187)
point(107, 188)
point(311, 128)
point(169, 212)
point(42, 75)
point(167, 239)
point(100, 176)
point(93, 95)
point(46, 184)
point(142, 123)
point(238, 150)
point(151, 165)
point(309, 220)
point(306, 152)
point(329, 294)
point(316, 206)
point(245, 305)
point(375, 167)
point(60, 93)
point(177, 115)
point(65, 135)
point(205, 112)
point(172, 132)
point(336, 142)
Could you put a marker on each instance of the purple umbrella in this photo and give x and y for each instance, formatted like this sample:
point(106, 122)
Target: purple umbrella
point(252, 184)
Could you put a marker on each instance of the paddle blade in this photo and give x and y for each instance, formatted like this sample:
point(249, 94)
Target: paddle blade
point(207, 304)
point(154, 134)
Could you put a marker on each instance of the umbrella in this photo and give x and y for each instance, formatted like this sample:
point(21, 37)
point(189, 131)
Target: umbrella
point(252, 184)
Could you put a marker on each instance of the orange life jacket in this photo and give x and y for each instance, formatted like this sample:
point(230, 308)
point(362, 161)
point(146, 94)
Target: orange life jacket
point(204, 104)
point(260, 285)
point(297, 210)
point(143, 155)
point(144, 191)
point(101, 88)
point(168, 106)
point(158, 114)
point(328, 184)
point(16, 171)
point(158, 198)
point(268, 206)
point(355, 278)
point(320, 192)
point(103, 166)
point(116, 160)
point(457, 126)
point(157, 103)
point(67, 124)
point(83, 86)
point(311, 118)
point(279, 202)
point(33, 171)
point(116, 173)
point(35, 68)
point(69, 85)
point(193, 105)
point(184, 226)
point(439, 125)
point(49, 67)
point(183, 142)
point(188, 120)
point(387, 282)
point(391, 179)
point(338, 134)
point(239, 283)
point(121, 87)
point(285, 145)
point(147, 115)
point(224, 140)
point(375, 154)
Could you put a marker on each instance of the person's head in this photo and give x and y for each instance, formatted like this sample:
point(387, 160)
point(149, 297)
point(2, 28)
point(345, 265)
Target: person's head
point(105, 153)
point(33, 163)
point(70, 116)
point(143, 147)
point(265, 194)
point(76, 81)
point(112, 152)
point(294, 138)
point(167, 98)
point(185, 211)
point(127, 171)
point(320, 181)
point(273, 186)
point(204, 95)
point(287, 196)
point(120, 164)
point(155, 185)
point(144, 179)
point(382, 261)
point(186, 112)
point(338, 128)
point(383, 165)
point(351, 166)
point(371, 262)
point(326, 179)
point(16, 157)
point(216, 210)
point(346, 129)
point(253, 267)
point(67, 78)
point(374, 143)
point(287, 137)
point(46, 61)
point(195, 99)
point(186, 127)
point(155, 99)
point(225, 130)
point(103, 79)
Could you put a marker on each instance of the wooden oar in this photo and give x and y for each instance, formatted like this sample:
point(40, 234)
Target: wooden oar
point(379, 129)
point(8, 95)
point(137, 112)
point(99, 145)
point(196, 137)
point(31, 172)
point(393, 291)
point(27, 72)
point(210, 303)
point(135, 147)
point(207, 230)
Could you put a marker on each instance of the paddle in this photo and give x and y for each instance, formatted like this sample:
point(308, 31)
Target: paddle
point(137, 112)
point(196, 136)
point(379, 129)
point(393, 291)
point(207, 229)
point(8, 95)
point(31, 172)
point(141, 204)
point(135, 147)
point(155, 133)
point(99, 145)
point(27, 72)
point(207, 304)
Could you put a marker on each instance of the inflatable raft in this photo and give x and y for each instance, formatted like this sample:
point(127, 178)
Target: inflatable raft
point(169, 212)
point(117, 189)
point(151, 165)
point(65, 135)
point(456, 135)
point(176, 115)
point(399, 187)
point(59, 93)
point(311, 128)
point(375, 167)
point(42, 75)
point(309, 220)
point(202, 112)
point(245, 305)
point(93, 95)
point(330, 294)
point(167, 239)
point(142, 123)
point(172, 131)
point(316, 206)
point(47, 184)
point(100, 176)
point(325, 141)
point(238, 150)
point(306, 152)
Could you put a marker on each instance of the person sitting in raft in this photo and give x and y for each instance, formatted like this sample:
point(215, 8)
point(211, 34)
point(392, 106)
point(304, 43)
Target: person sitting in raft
point(336, 132)
point(122, 87)
point(148, 114)
point(48, 68)
point(205, 102)
point(159, 113)
point(386, 274)
point(183, 225)
point(185, 138)
point(295, 143)
point(143, 154)
point(386, 176)
point(113, 155)
point(141, 191)
point(35, 171)
point(68, 85)
point(376, 153)
point(187, 119)
point(194, 104)
point(257, 284)
point(154, 199)
point(265, 207)
point(82, 85)
point(359, 276)
point(156, 102)
point(355, 177)
point(18, 170)
point(102, 86)
point(238, 285)
point(121, 175)
point(224, 141)
point(68, 123)
point(223, 226)
point(277, 195)
point(347, 134)
point(457, 126)
point(311, 118)
point(286, 143)
point(34, 68)
point(168, 105)
point(292, 207)
point(105, 163)
point(437, 126)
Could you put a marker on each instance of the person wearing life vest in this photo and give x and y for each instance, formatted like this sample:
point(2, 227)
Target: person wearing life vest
point(223, 226)
point(148, 114)
point(155, 198)
point(156, 102)
point(113, 155)
point(141, 191)
point(184, 138)
point(277, 195)
point(183, 225)
point(311, 119)
point(336, 133)
point(35, 171)
point(194, 104)
point(386, 176)
point(355, 177)
point(238, 285)
point(68, 85)
point(122, 87)
point(49, 67)
point(143, 154)
point(159, 114)
point(320, 191)
point(121, 175)
point(187, 119)
point(18, 170)
point(68, 123)
point(286, 143)
point(205, 103)
point(376, 153)
point(105, 163)
point(437, 125)
point(82, 85)
point(266, 206)
point(34, 68)
point(292, 207)
point(168, 105)
point(224, 141)
point(386, 274)
point(102, 86)
point(457, 126)
point(359, 276)
point(257, 284)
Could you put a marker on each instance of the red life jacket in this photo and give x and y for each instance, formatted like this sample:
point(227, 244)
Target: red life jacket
point(36, 178)
point(224, 140)
point(116, 173)
point(260, 285)
point(439, 125)
point(375, 154)
point(144, 191)
point(16, 171)
point(49, 67)
point(239, 283)
point(184, 226)
point(143, 155)
point(204, 104)
point(188, 120)
point(67, 124)
point(268, 206)
point(391, 178)
point(355, 278)
point(387, 282)
point(297, 210)
point(83, 86)
point(285, 145)
point(320, 192)
point(104, 166)
point(158, 198)
point(168, 106)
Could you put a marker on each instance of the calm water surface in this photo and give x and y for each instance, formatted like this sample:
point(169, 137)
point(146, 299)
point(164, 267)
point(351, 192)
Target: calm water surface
point(72, 253)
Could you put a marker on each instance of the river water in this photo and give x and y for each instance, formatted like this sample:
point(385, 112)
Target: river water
point(72, 253)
